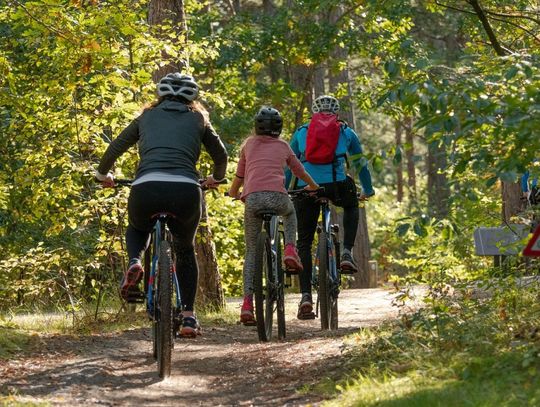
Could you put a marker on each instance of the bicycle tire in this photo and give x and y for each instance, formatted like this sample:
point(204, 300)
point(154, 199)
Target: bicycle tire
point(280, 294)
point(264, 307)
point(165, 314)
point(335, 284)
point(324, 282)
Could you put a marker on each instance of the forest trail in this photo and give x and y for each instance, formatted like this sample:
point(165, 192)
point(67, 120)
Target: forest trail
point(226, 366)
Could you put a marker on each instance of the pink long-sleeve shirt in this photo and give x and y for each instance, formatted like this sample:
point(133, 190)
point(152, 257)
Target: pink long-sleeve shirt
point(262, 164)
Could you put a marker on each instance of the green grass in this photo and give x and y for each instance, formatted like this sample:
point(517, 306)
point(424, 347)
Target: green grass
point(466, 353)
point(13, 340)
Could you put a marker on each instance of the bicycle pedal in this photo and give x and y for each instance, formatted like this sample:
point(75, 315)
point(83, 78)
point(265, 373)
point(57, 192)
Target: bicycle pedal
point(348, 271)
point(291, 272)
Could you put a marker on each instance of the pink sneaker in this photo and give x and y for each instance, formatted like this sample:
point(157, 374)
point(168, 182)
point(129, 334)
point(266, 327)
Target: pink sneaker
point(131, 278)
point(246, 312)
point(291, 259)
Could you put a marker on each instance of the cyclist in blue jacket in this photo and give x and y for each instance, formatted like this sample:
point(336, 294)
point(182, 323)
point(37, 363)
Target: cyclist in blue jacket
point(529, 188)
point(339, 188)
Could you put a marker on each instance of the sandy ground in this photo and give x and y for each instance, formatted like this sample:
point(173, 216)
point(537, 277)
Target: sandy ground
point(226, 366)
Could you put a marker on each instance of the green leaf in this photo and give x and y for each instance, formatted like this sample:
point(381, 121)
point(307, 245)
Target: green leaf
point(378, 165)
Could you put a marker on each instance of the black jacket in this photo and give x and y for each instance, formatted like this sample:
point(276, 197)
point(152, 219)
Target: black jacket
point(170, 137)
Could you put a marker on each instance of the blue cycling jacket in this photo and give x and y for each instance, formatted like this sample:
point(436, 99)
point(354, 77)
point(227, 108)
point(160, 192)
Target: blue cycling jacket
point(525, 182)
point(348, 144)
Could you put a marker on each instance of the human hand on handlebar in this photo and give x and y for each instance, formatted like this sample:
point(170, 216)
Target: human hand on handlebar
point(234, 194)
point(314, 187)
point(363, 197)
point(106, 180)
point(211, 183)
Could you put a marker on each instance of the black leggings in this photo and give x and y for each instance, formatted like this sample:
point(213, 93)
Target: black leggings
point(342, 194)
point(183, 202)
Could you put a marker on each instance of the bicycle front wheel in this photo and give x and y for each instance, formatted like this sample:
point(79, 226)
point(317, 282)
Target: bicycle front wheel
point(324, 292)
point(164, 328)
point(263, 288)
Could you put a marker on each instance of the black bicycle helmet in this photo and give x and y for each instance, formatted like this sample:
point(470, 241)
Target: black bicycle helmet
point(177, 84)
point(268, 122)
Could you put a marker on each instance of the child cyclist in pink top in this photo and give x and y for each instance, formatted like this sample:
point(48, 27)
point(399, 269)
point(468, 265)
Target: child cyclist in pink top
point(261, 171)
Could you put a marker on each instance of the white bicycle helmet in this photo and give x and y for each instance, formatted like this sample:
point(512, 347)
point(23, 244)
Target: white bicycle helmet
point(325, 103)
point(177, 84)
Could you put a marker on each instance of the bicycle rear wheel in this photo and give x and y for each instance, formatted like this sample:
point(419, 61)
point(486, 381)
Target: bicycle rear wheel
point(280, 294)
point(335, 280)
point(263, 288)
point(164, 328)
point(324, 293)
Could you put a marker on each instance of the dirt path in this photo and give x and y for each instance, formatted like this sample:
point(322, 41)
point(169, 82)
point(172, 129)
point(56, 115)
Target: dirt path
point(226, 366)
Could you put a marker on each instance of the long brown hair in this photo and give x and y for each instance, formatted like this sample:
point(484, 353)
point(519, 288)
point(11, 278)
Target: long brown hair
point(194, 105)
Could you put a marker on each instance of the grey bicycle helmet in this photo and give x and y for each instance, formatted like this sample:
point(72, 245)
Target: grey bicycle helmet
point(177, 84)
point(325, 103)
point(268, 122)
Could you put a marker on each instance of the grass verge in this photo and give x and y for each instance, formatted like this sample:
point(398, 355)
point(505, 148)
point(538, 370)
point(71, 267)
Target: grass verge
point(453, 353)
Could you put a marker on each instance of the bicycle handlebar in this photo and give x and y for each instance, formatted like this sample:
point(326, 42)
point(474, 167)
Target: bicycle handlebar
point(128, 182)
point(294, 193)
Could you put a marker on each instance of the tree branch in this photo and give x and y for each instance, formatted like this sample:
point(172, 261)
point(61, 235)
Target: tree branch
point(520, 16)
point(487, 27)
point(526, 30)
point(461, 10)
point(48, 27)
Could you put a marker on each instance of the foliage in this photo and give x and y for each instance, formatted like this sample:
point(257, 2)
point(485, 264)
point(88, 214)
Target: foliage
point(456, 355)
point(228, 231)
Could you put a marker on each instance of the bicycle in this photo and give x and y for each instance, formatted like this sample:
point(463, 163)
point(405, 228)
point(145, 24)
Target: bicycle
point(326, 277)
point(268, 282)
point(161, 291)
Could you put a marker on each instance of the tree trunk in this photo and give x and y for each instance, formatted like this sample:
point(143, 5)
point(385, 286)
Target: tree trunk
point(274, 69)
point(399, 165)
point(409, 153)
point(318, 81)
point(210, 292)
point(512, 204)
point(172, 11)
point(366, 276)
point(438, 192)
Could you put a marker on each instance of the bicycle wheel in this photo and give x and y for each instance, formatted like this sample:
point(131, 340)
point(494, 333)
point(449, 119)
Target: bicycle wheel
point(165, 314)
point(262, 287)
point(280, 294)
point(335, 282)
point(324, 293)
point(151, 309)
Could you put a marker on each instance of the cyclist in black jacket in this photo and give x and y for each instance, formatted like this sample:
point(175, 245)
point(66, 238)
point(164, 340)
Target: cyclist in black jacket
point(169, 135)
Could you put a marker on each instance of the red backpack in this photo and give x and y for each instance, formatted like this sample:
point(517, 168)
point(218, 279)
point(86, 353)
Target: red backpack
point(322, 138)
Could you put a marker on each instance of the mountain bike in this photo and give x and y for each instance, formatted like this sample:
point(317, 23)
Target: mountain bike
point(326, 275)
point(268, 283)
point(161, 290)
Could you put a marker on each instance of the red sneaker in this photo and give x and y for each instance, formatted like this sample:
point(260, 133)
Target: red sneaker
point(131, 278)
point(190, 327)
point(246, 312)
point(291, 258)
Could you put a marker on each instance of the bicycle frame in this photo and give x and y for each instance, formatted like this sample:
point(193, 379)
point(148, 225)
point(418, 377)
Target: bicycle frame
point(326, 221)
point(159, 233)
